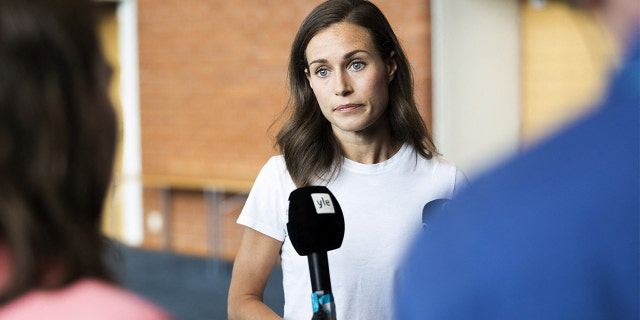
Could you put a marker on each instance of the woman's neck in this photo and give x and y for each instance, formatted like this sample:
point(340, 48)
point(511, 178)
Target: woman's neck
point(370, 151)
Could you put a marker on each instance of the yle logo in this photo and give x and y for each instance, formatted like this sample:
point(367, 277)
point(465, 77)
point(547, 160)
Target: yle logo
point(322, 202)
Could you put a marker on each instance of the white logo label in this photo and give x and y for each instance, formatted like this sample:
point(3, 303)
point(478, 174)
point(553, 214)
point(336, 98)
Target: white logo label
point(323, 203)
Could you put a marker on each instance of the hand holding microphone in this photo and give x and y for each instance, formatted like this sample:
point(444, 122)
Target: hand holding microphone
point(316, 225)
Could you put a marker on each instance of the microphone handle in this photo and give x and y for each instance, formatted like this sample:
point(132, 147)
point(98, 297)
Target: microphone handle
point(319, 270)
point(322, 297)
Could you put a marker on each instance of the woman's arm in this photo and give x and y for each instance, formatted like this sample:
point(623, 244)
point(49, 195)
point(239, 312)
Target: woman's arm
point(256, 257)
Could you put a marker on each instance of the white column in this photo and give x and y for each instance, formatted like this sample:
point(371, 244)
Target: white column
point(476, 79)
point(131, 186)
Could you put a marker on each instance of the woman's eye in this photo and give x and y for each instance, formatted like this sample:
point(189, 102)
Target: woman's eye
point(322, 73)
point(357, 66)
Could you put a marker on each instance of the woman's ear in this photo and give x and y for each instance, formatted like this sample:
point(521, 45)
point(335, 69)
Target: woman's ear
point(306, 73)
point(392, 66)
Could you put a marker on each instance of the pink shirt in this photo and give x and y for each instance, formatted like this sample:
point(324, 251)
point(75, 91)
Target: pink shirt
point(85, 299)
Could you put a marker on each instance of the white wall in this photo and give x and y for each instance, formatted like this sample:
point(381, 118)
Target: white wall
point(476, 81)
point(130, 184)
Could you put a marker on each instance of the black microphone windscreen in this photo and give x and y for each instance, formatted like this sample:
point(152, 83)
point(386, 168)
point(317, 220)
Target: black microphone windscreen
point(431, 207)
point(316, 222)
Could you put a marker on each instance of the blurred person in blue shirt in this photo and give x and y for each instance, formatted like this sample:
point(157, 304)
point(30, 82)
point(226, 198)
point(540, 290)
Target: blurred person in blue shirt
point(552, 233)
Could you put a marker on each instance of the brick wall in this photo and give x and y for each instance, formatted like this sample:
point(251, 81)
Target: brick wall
point(212, 80)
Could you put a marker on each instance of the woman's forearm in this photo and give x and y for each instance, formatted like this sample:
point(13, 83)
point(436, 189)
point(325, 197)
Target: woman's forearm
point(250, 309)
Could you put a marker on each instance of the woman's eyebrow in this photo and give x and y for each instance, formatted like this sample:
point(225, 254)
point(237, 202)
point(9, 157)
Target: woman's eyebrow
point(346, 56)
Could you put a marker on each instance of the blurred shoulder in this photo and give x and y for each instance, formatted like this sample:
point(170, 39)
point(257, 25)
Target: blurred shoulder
point(85, 299)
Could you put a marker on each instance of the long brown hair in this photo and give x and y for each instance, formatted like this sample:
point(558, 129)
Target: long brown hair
point(310, 149)
point(57, 142)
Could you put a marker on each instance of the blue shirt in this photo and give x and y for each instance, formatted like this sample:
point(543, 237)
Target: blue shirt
point(551, 234)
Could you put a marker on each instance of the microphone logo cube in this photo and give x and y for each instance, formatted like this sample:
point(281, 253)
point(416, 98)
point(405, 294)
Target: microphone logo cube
point(322, 202)
point(316, 222)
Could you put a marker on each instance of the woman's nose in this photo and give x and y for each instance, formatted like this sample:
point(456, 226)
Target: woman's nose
point(342, 85)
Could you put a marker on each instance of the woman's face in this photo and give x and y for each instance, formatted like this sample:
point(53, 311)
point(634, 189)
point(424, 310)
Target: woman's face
point(349, 78)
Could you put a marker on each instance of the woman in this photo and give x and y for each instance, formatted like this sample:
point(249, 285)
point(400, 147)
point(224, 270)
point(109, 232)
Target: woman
point(355, 128)
point(57, 144)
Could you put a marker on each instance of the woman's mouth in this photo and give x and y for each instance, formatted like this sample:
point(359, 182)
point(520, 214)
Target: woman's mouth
point(347, 107)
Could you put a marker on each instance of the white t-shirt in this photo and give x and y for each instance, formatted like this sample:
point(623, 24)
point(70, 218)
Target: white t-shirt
point(382, 205)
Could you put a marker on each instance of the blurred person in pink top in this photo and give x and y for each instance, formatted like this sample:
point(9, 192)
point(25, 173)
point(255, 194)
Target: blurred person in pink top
point(57, 144)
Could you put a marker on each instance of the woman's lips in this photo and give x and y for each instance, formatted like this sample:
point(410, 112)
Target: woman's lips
point(347, 107)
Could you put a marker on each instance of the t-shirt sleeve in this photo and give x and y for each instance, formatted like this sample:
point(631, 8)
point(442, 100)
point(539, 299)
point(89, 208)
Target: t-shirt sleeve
point(461, 182)
point(266, 207)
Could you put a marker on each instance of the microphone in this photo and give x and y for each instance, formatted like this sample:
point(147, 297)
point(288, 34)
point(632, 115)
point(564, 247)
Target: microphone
point(432, 207)
point(316, 225)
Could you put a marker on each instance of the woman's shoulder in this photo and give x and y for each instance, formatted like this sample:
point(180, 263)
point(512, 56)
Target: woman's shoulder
point(84, 299)
point(437, 160)
point(274, 167)
point(276, 161)
point(455, 174)
point(443, 167)
point(444, 162)
point(274, 175)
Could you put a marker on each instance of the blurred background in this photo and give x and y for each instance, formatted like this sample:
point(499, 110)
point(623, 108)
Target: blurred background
point(198, 86)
